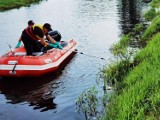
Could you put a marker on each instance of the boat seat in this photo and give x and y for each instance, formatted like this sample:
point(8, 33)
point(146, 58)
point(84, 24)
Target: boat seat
point(19, 53)
point(37, 53)
point(24, 53)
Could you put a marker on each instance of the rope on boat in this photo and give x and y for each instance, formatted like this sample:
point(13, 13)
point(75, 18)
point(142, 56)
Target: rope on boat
point(87, 54)
point(92, 56)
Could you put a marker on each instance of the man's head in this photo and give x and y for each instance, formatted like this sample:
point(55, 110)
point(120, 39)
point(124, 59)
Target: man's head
point(30, 23)
point(47, 27)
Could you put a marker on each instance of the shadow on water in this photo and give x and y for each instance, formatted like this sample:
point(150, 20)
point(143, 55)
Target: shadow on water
point(37, 92)
point(130, 12)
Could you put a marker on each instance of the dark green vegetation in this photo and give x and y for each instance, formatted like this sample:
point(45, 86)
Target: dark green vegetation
point(135, 75)
point(88, 103)
point(10, 4)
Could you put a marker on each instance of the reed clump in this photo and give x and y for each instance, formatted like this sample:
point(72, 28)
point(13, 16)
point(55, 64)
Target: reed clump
point(91, 103)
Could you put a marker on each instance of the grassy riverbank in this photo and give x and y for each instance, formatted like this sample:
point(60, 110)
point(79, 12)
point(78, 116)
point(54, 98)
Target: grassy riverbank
point(10, 4)
point(136, 79)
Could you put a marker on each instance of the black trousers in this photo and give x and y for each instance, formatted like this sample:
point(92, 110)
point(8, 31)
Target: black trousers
point(30, 44)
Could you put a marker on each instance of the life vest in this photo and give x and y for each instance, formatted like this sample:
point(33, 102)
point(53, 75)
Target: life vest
point(30, 32)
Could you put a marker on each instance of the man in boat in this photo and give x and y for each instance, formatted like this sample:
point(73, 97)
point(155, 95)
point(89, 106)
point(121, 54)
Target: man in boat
point(30, 23)
point(35, 33)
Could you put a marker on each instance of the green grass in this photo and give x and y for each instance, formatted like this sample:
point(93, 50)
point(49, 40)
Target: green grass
point(10, 4)
point(139, 99)
point(120, 47)
point(139, 96)
point(152, 29)
point(149, 15)
point(155, 3)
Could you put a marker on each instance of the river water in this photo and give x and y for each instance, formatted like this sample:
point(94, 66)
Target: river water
point(95, 25)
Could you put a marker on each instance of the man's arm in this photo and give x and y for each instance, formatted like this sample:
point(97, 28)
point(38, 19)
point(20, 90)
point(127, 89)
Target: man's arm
point(50, 39)
point(42, 40)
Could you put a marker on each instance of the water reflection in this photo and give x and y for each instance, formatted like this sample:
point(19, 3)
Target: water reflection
point(37, 92)
point(130, 12)
point(40, 96)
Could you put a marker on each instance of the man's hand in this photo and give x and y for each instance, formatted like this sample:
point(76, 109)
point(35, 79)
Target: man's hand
point(18, 44)
point(55, 45)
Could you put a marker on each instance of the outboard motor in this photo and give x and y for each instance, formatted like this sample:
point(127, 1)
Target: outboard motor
point(55, 35)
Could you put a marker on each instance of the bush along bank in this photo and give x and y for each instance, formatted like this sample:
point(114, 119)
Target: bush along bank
point(11, 4)
point(135, 75)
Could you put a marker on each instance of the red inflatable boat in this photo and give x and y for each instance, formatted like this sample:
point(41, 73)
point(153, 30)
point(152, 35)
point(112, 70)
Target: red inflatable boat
point(17, 63)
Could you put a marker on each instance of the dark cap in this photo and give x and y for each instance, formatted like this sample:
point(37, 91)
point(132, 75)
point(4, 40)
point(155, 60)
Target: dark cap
point(30, 22)
point(47, 26)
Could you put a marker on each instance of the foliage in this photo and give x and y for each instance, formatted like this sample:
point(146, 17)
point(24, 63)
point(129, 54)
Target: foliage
point(136, 34)
point(155, 3)
point(154, 11)
point(150, 15)
point(10, 4)
point(119, 49)
point(115, 72)
point(90, 104)
point(138, 29)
